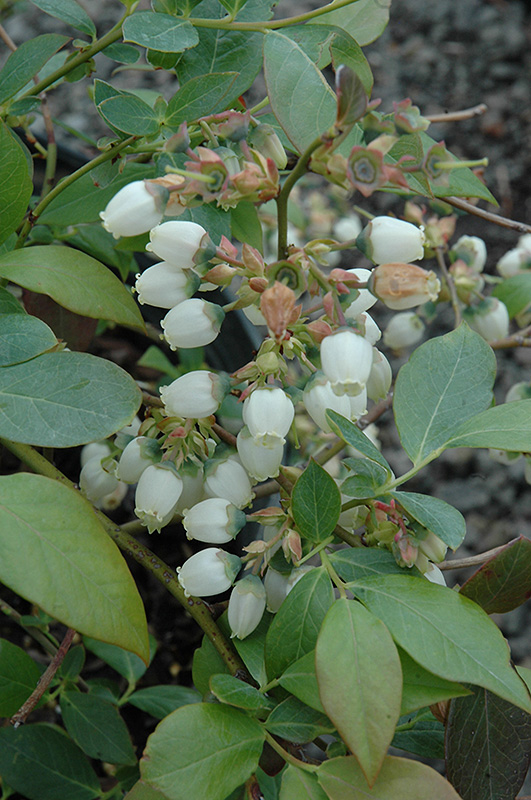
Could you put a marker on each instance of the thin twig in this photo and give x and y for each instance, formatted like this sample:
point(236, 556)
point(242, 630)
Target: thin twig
point(457, 116)
point(6, 38)
point(451, 286)
point(224, 435)
point(34, 632)
point(505, 222)
point(472, 561)
point(44, 681)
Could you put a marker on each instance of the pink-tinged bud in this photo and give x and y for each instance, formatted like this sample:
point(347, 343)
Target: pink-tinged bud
point(177, 242)
point(139, 454)
point(268, 413)
point(432, 547)
point(209, 572)
point(220, 275)
point(346, 359)
point(165, 286)
point(196, 395)
point(319, 396)
point(386, 239)
point(134, 209)
point(193, 323)
point(490, 319)
point(513, 262)
point(278, 305)
point(401, 286)
point(157, 495)
point(471, 250)
point(228, 479)
point(319, 330)
point(247, 604)
point(405, 550)
point(380, 378)
point(404, 330)
point(95, 480)
point(261, 460)
point(214, 520)
point(365, 298)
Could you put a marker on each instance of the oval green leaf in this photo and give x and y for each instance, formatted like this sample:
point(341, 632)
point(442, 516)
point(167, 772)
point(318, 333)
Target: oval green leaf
point(159, 701)
point(65, 399)
point(315, 503)
point(515, 293)
point(421, 688)
point(365, 20)
point(300, 680)
point(505, 427)
point(56, 554)
point(504, 581)
point(199, 96)
point(441, 518)
point(74, 280)
point(23, 337)
point(351, 434)
point(26, 61)
point(297, 722)
point(234, 692)
point(129, 114)
point(19, 675)
point(97, 728)
point(16, 183)
point(160, 32)
point(297, 784)
point(68, 11)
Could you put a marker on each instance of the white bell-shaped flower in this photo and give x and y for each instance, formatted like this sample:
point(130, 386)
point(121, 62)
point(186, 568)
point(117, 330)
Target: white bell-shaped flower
point(318, 396)
point(157, 494)
point(193, 323)
point(358, 405)
point(196, 395)
point(277, 587)
point(346, 360)
point(247, 604)
point(472, 250)
point(513, 262)
point(97, 481)
point(490, 319)
point(268, 413)
point(110, 502)
point(368, 328)
point(165, 286)
point(92, 449)
point(193, 488)
point(432, 547)
point(228, 479)
point(261, 460)
point(404, 330)
point(214, 520)
point(134, 210)
point(347, 228)
point(387, 239)
point(365, 299)
point(177, 242)
point(380, 378)
point(209, 572)
point(137, 455)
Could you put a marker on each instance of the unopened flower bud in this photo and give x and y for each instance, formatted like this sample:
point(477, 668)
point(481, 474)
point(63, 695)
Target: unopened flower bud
point(228, 479)
point(134, 209)
point(368, 328)
point(157, 494)
point(95, 480)
point(209, 572)
point(472, 250)
point(247, 604)
point(490, 319)
point(139, 454)
point(265, 139)
point(386, 239)
point(165, 286)
point(404, 330)
point(402, 286)
point(214, 520)
point(112, 501)
point(381, 377)
point(365, 298)
point(93, 449)
point(433, 548)
point(177, 242)
point(193, 323)
point(197, 394)
point(513, 262)
point(268, 413)
point(346, 359)
point(261, 460)
point(319, 396)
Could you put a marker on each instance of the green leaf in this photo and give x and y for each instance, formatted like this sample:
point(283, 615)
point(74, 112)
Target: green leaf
point(441, 518)
point(446, 381)
point(26, 61)
point(505, 427)
point(300, 680)
point(70, 12)
point(56, 554)
point(101, 245)
point(19, 675)
point(365, 20)
point(23, 337)
point(97, 728)
point(65, 399)
point(160, 32)
point(315, 503)
point(72, 663)
point(215, 220)
point(42, 763)
point(234, 692)
point(251, 649)
point(206, 94)
point(488, 746)
point(16, 183)
point(515, 293)
point(206, 662)
point(9, 303)
point(60, 272)
point(296, 625)
point(425, 738)
point(123, 53)
point(130, 114)
point(297, 784)
point(159, 701)
point(346, 50)
point(353, 563)
point(297, 722)
point(399, 779)
point(351, 434)
point(422, 688)
point(128, 664)
point(445, 632)
point(245, 225)
point(233, 6)
point(367, 481)
point(289, 72)
point(351, 643)
point(502, 583)
point(141, 791)
point(202, 750)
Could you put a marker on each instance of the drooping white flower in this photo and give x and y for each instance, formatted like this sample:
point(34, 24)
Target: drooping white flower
point(368, 328)
point(214, 520)
point(358, 405)
point(261, 460)
point(346, 360)
point(97, 481)
point(365, 298)
point(472, 250)
point(193, 489)
point(387, 239)
point(268, 413)
point(227, 478)
point(193, 323)
point(433, 547)
point(134, 209)
point(93, 449)
point(381, 377)
point(276, 586)
point(197, 394)
point(401, 286)
point(318, 396)
point(209, 572)
point(177, 242)
point(137, 455)
point(404, 330)
point(513, 261)
point(157, 494)
point(247, 604)
point(165, 286)
point(490, 319)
